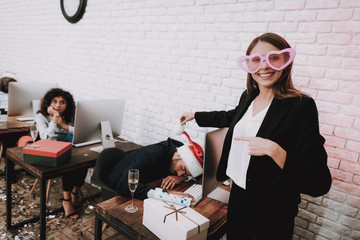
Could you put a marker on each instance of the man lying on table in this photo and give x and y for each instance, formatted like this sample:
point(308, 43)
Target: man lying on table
point(170, 160)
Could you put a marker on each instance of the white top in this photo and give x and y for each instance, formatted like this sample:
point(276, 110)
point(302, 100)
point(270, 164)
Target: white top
point(239, 157)
point(4, 100)
point(48, 129)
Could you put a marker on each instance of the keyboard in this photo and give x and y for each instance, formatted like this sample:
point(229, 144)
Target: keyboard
point(86, 143)
point(25, 119)
point(195, 190)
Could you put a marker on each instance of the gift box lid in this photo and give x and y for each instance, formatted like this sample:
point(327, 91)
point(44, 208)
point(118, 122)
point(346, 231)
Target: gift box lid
point(47, 148)
point(188, 220)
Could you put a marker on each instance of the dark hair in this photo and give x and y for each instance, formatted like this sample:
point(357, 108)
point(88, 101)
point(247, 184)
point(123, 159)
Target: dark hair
point(69, 112)
point(284, 87)
point(4, 84)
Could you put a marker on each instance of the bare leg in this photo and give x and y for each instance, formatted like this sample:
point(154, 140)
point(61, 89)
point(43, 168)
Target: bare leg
point(69, 209)
point(75, 196)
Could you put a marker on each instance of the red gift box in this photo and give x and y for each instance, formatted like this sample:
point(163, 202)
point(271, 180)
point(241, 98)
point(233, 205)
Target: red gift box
point(47, 153)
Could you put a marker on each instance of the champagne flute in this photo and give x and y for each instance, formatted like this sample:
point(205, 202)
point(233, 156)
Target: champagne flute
point(133, 180)
point(33, 131)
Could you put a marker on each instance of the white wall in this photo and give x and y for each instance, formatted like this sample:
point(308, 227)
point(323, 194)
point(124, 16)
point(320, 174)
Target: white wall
point(164, 57)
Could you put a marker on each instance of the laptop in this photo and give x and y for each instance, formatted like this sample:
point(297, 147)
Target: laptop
point(210, 186)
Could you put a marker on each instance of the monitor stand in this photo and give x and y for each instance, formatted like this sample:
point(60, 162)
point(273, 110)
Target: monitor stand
point(106, 137)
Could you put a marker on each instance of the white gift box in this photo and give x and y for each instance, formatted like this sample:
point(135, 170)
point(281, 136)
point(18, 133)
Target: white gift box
point(174, 222)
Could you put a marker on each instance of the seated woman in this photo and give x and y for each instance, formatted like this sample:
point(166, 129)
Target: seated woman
point(53, 120)
point(170, 160)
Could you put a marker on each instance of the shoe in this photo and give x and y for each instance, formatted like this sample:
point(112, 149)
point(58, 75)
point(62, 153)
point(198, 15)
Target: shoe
point(71, 214)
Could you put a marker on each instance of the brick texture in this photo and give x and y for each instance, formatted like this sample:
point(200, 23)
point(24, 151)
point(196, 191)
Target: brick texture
point(167, 57)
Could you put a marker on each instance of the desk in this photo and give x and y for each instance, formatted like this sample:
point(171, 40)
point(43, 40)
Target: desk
point(12, 131)
point(81, 157)
point(14, 125)
point(113, 213)
point(10, 134)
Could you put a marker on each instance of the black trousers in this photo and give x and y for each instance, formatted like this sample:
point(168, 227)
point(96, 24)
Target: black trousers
point(74, 178)
point(250, 219)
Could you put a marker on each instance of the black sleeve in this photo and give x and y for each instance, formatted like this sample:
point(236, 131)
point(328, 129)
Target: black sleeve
point(153, 162)
point(218, 119)
point(306, 163)
point(122, 188)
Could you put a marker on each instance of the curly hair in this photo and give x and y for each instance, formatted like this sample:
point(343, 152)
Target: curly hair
point(284, 87)
point(69, 112)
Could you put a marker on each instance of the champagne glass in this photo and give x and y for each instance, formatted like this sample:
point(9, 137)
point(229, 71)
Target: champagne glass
point(33, 131)
point(133, 180)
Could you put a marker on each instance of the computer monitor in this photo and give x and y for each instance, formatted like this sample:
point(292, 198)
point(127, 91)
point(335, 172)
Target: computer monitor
point(214, 142)
point(21, 95)
point(88, 117)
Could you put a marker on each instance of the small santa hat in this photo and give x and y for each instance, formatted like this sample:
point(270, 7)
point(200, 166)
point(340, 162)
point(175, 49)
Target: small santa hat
point(9, 75)
point(192, 155)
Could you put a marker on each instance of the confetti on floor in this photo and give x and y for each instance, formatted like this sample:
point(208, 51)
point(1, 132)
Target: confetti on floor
point(25, 205)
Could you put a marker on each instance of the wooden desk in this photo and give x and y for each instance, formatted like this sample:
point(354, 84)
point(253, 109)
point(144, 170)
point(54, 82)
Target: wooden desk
point(14, 125)
point(113, 213)
point(81, 157)
point(11, 131)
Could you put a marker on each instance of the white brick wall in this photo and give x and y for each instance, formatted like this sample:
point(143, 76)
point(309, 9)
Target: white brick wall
point(167, 56)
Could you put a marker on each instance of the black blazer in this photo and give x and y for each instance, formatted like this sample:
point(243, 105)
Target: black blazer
point(153, 162)
point(293, 124)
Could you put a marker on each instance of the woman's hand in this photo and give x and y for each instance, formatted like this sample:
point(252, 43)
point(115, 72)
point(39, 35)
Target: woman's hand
point(186, 116)
point(51, 111)
point(56, 118)
point(260, 147)
point(170, 181)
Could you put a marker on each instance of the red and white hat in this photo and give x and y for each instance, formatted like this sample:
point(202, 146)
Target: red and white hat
point(192, 155)
point(9, 75)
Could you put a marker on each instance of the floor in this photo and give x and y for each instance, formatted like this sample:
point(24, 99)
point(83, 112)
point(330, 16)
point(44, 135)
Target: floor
point(58, 227)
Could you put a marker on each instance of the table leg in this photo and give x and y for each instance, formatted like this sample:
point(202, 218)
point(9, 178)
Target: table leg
point(42, 209)
point(48, 190)
point(98, 227)
point(9, 177)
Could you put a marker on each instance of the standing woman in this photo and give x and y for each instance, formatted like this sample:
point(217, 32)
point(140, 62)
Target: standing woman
point(273, 150)
point(54, 121)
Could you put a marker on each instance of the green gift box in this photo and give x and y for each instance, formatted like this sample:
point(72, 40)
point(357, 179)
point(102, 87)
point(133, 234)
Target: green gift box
point(47, 153)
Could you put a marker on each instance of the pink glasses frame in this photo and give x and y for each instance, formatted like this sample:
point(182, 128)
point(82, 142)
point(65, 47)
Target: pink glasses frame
point(266, 58)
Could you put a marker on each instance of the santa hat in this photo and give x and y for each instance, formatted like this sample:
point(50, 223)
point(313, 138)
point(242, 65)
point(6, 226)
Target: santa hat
point(192, 155)
point(9, 75)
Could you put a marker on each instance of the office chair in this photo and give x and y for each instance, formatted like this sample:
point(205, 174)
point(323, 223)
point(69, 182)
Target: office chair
point(103, 167)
